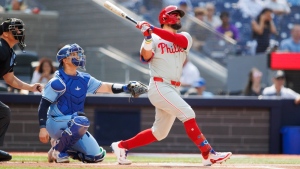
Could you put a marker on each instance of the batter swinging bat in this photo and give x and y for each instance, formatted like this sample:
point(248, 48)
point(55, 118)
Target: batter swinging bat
point(114, 9)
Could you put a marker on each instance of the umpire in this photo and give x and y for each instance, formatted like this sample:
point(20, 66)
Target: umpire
point(11, 33)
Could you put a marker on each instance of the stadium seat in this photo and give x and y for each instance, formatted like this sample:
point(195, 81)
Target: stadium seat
point(23, 69)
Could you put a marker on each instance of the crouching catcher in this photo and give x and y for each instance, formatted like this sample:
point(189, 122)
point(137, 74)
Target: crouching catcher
point(61, 109)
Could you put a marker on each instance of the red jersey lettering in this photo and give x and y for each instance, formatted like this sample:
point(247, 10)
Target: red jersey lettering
point(173, 49)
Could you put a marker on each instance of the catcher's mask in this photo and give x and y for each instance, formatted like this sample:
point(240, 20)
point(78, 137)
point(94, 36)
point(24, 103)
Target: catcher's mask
point(16, 26)
point(66, 52)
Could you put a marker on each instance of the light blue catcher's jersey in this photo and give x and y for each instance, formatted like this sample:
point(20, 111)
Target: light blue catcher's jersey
point(56, 88)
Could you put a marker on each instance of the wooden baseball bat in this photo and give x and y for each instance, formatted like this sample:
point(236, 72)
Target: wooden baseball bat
point(116, 10)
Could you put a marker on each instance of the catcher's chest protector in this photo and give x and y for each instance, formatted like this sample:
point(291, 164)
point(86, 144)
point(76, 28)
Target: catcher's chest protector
point(73, 97)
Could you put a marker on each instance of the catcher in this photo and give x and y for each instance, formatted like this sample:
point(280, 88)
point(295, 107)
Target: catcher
point(61, 109)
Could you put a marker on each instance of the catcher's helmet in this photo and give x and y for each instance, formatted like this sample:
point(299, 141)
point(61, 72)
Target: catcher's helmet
point(165, 17)
point(66, 52)
point(16, 26)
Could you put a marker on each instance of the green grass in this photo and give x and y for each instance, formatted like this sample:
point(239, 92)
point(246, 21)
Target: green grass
point(166, 159)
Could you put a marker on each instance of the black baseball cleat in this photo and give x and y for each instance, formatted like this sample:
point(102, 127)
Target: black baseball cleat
point(4, 156)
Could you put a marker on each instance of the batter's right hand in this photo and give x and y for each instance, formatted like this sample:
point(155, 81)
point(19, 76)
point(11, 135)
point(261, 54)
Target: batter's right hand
point(145, 28)
point(44, 135)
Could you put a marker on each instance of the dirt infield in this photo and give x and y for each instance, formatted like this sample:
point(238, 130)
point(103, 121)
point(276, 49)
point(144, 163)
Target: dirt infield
point(145, 166)
point(113, 165)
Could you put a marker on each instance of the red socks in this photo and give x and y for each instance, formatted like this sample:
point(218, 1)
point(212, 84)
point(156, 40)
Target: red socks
point(197, 137)
point(146, 137)
point(143, 138)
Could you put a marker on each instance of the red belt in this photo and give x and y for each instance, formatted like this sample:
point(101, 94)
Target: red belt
point(159, 79)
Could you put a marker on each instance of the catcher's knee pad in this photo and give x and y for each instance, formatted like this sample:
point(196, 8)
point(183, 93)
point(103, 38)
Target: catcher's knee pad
point(89, 158)
point(78, 126)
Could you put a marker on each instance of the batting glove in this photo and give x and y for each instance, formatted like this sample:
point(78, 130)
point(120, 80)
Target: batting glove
point(145, 28)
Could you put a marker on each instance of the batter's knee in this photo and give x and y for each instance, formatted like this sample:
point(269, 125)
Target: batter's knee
point(189, 114)
point(160, 135)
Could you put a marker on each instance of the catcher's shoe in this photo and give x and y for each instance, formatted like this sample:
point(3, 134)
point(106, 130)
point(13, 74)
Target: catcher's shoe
point(216, 157)
point(60, 157)
point(50, 157)
point(121, 154)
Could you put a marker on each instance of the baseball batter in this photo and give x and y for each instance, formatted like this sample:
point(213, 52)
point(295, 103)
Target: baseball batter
point(165, 51)
point(61, 110)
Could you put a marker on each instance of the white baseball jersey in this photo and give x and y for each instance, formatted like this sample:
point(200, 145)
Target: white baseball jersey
point(168, 58)
point(167, 63)
point(285, 93)
point(190, 74)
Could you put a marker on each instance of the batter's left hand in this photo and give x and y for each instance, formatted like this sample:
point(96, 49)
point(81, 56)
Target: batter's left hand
point(145, 28)
point(44, 135)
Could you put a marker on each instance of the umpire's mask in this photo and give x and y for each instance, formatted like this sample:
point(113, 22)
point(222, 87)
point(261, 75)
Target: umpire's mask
point(16, 26)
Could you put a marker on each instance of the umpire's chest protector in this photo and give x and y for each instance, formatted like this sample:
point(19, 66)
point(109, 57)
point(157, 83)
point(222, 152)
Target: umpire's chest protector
point(73, 96)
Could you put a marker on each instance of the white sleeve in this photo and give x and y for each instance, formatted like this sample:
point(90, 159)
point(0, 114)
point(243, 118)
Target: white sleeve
point(287, 8)
point(242, 5)
point(35, 77)
point(192, 77)
point(266, 91)
point(291, 93)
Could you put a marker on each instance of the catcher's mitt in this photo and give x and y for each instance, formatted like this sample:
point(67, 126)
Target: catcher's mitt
point(137, 88)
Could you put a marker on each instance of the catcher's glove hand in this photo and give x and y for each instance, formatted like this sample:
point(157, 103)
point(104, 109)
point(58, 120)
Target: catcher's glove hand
point(137, 88)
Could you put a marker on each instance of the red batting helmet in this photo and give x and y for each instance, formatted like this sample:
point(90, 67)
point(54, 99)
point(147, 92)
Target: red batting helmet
point(165, 18)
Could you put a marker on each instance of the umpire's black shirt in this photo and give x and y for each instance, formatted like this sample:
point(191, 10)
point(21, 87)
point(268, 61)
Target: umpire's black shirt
point(7, 58)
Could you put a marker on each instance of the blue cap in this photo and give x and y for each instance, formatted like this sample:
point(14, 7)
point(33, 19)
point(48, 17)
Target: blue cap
point(199, 83)
point(182, 2)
